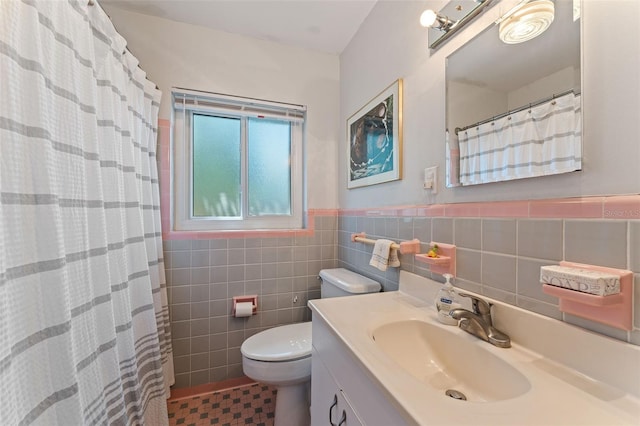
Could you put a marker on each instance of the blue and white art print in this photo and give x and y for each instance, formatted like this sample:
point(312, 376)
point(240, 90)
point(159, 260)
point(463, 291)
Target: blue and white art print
point(375, 140)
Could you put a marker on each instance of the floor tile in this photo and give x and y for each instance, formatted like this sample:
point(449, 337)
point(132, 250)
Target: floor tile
point(245, 405)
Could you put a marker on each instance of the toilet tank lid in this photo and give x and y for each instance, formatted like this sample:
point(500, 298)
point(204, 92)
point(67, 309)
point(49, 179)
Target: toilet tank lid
point(349, 281)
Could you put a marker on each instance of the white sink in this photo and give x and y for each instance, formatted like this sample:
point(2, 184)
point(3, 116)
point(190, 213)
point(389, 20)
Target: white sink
point(449, 361)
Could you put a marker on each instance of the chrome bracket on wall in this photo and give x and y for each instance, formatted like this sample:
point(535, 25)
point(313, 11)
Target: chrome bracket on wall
point(458, 13)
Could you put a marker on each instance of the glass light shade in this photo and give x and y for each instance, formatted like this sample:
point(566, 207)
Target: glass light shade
point(528, 22)
point(427, 18)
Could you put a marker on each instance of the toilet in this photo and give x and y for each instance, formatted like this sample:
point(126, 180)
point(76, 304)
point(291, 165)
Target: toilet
point(281, 356)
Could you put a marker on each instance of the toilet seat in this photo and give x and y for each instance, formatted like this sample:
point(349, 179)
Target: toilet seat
point(279, 344)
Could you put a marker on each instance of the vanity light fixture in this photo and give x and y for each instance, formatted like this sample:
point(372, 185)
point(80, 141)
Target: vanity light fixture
point(431, 19)
point(451, 18)
point(527, 22)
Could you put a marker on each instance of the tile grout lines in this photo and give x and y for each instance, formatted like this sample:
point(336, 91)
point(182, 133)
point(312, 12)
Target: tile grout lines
point(244, 405)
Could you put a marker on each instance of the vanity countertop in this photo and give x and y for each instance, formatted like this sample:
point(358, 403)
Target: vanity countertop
point(560, 393)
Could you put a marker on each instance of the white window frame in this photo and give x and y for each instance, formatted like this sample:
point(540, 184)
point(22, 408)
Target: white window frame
point(187, 102)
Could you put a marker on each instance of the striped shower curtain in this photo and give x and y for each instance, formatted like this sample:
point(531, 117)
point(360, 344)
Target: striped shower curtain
point(543, 140)
point(84, 331)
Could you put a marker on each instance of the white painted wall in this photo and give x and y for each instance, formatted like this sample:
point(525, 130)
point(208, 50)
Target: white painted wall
point(469, 103)
point(558, 82)
point(391, 44)
point(176, 54)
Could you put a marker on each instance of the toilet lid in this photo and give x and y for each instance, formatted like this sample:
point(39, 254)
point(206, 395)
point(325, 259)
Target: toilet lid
point(284, 343)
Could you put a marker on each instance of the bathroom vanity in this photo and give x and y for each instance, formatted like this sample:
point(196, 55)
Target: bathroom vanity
point(341, 388)
point(383, 359)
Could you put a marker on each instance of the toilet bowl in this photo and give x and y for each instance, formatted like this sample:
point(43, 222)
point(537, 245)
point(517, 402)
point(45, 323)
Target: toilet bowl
point(281, 356)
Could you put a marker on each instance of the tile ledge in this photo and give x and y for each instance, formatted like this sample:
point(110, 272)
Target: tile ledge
point(616, 207)
point(190, 392)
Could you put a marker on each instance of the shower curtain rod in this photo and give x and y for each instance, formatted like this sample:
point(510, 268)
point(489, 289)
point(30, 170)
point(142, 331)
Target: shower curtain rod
point(522, 108)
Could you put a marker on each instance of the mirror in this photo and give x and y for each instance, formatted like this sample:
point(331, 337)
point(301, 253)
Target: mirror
point(487, 79)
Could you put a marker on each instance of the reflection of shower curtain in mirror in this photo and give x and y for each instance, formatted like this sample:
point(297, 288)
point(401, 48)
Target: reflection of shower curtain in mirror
point(543, 140)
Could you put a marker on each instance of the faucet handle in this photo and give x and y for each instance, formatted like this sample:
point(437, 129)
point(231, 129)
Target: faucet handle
point(480, 307)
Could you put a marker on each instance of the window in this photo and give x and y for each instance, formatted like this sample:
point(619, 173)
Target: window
point(238, 162)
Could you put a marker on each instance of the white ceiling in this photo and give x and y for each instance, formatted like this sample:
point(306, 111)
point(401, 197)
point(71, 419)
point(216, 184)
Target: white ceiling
point(321, 25)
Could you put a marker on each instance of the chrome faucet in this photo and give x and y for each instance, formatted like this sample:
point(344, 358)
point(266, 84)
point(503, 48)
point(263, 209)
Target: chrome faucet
point(479, 322)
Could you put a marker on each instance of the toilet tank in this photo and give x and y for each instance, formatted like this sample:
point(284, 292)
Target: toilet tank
point(342, 282)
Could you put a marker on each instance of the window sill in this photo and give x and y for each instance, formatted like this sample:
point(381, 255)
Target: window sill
point(169, 234)
point(207, 235)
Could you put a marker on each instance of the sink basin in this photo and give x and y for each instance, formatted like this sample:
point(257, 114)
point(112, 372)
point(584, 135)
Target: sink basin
point(448, 361)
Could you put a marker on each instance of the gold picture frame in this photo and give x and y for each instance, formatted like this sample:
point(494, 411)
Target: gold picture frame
point(374, 140)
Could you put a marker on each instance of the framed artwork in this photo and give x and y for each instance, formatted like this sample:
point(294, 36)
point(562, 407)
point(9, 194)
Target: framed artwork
point(374, 135)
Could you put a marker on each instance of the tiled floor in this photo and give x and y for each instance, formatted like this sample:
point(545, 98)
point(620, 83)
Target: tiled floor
point(243, 405)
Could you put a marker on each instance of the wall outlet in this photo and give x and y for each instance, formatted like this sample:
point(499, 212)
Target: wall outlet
point(431, 179)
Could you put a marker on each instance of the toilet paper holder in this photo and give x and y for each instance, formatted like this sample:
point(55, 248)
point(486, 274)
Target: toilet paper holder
point(242, 299)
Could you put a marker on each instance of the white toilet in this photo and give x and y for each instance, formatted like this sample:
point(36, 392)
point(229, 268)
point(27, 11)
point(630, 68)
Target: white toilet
point(281, 356)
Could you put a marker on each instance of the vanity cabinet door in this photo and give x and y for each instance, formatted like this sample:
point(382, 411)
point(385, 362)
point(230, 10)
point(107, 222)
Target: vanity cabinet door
point(348, 416)
point(324, 394)
point(334, 371)
point(329, 405)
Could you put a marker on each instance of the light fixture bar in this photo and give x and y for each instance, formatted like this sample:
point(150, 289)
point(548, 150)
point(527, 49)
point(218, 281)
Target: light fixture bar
point(431, 19)
point(450, 19)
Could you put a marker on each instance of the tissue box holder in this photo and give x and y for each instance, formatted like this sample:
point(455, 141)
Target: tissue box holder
point(615, 310)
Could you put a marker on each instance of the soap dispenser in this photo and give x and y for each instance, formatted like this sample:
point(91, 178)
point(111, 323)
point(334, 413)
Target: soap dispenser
point(447, 300)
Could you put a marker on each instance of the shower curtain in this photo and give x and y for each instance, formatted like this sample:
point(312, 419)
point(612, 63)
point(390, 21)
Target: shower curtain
point(84, 327)
point(543, 140)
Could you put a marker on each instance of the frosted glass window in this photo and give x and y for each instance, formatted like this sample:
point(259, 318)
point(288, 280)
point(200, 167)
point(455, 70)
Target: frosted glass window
point(238, 163)
point(216, 166)
point(269, 152)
